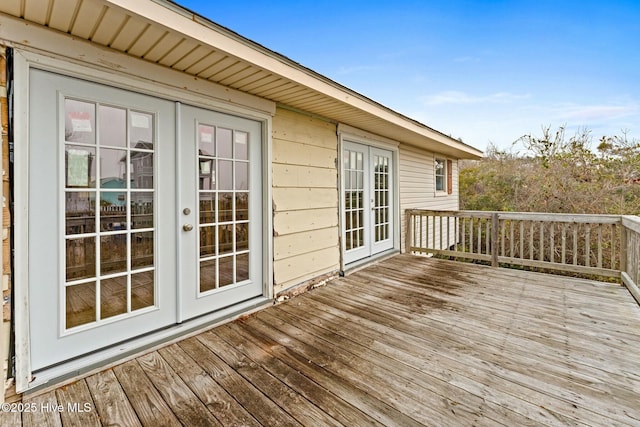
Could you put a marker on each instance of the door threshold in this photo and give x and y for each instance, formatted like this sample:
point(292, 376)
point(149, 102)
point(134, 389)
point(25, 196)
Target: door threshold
point(354, 266)
point(100, 360)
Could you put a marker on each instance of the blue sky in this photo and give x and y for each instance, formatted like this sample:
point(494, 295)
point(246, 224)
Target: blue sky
point(482, 71)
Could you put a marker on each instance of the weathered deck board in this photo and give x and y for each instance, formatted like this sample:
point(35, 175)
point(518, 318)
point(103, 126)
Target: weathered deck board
point(76, 414)
point(260, 406)
point(221, 404)
point(183, 402)
point(151, 409)
point(407, 341)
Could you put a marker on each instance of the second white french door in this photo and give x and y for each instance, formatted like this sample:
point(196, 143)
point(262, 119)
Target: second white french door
point(368, 201)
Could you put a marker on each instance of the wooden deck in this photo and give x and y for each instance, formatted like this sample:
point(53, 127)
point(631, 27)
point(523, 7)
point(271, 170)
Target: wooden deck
point(409, 341)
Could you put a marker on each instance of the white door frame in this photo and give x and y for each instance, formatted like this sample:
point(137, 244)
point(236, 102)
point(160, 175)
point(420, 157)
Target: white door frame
point(166, 87)
point(348, 134)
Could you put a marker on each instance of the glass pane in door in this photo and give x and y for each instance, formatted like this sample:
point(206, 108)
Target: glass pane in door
point(381, 191)
point(109, 230)
point(224, 172)
point(354, 199)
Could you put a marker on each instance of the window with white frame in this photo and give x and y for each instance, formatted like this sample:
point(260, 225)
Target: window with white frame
point(441, 175)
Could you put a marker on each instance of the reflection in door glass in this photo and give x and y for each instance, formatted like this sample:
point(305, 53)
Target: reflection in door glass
point(142, 250)
point(225, 175)
point(208, 275)
point(80, 166)
point(80, 258)
point(80, 303)
point(113, 296)
point(207, 208)
point(80, 212)
point(141, 130)
point(381, 206)
point(109, 267)
point(241, 145)
point(141, 209)
point(224, 206)
point(113, 126)
point(113, 253)
point(206, 141)
point(113, 211)
point(353, 195)
point(224, 139)
point(79, 121)
point(142, 290)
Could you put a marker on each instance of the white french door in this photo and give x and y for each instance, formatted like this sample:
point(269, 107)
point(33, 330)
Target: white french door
point(368, 220)
point(101, 227)
point(123, 239)
point(221, 210)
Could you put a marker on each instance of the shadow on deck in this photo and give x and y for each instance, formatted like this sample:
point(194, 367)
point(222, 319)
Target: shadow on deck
point(407, 341)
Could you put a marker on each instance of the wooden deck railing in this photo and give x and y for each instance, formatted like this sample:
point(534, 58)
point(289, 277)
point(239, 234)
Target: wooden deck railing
point(600, 245)
point(630, 268)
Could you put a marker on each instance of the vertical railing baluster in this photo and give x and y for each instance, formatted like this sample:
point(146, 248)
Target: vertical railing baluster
point(541, 254)
point(575, 244)
point(613, 243)
point(502, 237)
point(599, 245)
point(494, 238)
point(435, 232)
point(511, 238)
point(531, 241)
point(465, 246)
point(488, 237)
point(552, 242)
point(521, 226)
point(564, 243)
point(587, 246)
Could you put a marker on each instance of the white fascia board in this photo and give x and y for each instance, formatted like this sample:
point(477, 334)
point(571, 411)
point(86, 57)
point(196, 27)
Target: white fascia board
point(177, 19)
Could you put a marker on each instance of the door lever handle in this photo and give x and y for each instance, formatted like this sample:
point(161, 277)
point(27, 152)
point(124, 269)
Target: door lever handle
point(187, 227)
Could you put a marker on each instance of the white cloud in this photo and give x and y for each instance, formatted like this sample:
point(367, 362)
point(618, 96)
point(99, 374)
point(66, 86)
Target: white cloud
point(456, 97)
point(596, 112)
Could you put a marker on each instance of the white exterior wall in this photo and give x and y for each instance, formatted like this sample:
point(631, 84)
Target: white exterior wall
point(417, 186)
point(305, 199)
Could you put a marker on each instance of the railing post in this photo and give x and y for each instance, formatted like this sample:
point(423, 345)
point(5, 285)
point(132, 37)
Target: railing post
point(624, 244)
point(407, 236)
point(494, 239)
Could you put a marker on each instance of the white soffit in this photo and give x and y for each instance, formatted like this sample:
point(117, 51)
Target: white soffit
point(162, 32)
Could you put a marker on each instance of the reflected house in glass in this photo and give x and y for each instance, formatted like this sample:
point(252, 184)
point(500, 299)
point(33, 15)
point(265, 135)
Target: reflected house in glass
point(203, 176)
point(141, 165)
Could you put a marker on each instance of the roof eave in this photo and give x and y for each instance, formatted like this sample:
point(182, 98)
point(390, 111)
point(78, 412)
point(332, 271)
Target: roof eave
point(191, 24)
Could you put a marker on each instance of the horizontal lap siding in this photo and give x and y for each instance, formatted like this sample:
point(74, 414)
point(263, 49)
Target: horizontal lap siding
point(305, 199)
point(417, 185)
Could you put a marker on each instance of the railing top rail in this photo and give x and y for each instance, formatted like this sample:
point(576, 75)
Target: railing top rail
point(534, 216)
point(631, 222)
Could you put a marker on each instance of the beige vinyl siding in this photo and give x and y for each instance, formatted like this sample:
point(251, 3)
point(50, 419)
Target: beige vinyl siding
point(305, 199)
point(417, 185)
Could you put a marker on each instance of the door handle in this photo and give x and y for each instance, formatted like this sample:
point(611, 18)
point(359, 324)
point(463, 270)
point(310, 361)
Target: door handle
point(187, 227)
